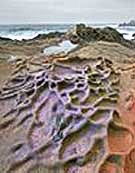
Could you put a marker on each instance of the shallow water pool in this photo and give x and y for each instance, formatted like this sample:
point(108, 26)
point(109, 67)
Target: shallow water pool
point(65, 46)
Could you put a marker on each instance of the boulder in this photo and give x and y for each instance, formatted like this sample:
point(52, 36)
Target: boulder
point(74, 39)
point(133, 35)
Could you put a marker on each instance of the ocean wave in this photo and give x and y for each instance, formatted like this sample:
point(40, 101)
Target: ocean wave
point(20, 29)
point(20, 32)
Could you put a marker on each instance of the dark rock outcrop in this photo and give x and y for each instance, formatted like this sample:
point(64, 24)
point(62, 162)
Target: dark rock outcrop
point(5, 39)
point(38, 37)
point(131, 23)
point(84, 34)
point(133, 35)
point(49, 35)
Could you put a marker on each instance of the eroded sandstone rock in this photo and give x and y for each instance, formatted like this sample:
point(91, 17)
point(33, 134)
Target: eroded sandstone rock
point(58, 117)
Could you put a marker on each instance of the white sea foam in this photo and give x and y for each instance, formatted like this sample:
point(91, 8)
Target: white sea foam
point(127, 32)
point(23, 35)
point(19, 32)
point(12, 58)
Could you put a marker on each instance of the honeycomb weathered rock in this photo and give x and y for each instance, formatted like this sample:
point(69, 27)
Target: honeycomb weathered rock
point(61, 118)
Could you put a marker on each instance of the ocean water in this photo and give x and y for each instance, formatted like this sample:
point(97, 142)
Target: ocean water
point(20, 32)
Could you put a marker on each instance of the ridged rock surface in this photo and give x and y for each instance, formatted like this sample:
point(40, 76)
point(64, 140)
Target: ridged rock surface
point(63, 116)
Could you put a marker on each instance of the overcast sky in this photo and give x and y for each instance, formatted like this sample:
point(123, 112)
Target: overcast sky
point(66, 11)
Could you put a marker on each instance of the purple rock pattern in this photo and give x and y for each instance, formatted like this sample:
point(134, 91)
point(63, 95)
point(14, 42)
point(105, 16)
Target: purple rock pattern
point(58, 116)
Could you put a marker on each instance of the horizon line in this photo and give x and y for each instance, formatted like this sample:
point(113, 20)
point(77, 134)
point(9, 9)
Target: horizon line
point(58, 23)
